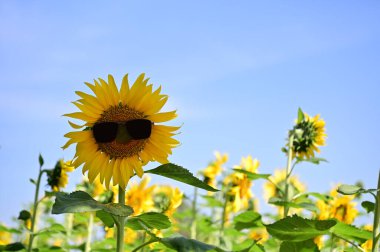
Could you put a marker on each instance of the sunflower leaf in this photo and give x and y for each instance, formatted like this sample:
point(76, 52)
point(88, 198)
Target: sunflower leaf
point(368, 206)
point(80, 201)
point(349, 189)
point(304, 246)
point(106, 218)
point(248, 219)
point(351, 232)
point(150, 220)
point(297, 229)
point(185, 244)
point(180, 174)
point(12, 247)
point(251, 175)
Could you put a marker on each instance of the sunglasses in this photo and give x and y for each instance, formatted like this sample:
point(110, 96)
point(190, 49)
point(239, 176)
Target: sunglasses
point(106, 132)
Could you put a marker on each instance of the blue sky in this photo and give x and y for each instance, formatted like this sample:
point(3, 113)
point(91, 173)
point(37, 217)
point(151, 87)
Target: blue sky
point(237, 71)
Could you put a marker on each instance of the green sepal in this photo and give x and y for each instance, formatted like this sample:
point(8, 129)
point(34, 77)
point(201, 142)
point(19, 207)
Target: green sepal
point(297, 229)
point(149, 220)
point(17, 246)
point(181, 174)
point(40, 160)
point(248, 219)
point(253, 176)
point(79, 201)
point(24, 215)
point(368, 206)
point(304, 246)
point(301, 115)
point(106, 218)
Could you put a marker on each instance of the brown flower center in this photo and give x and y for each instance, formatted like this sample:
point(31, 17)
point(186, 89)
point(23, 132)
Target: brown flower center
point(117, 149)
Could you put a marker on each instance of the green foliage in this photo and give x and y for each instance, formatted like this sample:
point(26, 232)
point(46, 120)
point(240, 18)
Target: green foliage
point(40, 160)
point(53, 229)
point(314, 160)
point(368, 206)
point(351, 233)
point(349, 189)
point(303, 246)
point(301, 115)
point(17, 246)
point(297, 229)
point(106, 218)
point(253, 176)
point(182, 244)
point(80, 201)
point(180, 174)
point(149, 220)
point(248, 219)
point(24, 215)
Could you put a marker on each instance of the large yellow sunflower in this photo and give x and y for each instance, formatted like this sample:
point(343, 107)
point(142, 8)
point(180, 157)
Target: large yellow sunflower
point(121, 130)
point(311, 135)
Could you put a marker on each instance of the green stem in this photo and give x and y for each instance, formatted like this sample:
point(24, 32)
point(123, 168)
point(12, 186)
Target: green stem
point(224, 217)
point(89, 232)
point(144, 244)
point(193, 228)
point(35, 205)
point(69, 227)
point(350, 242)
point(376, 220)
point(120, 223)
point(289, 170)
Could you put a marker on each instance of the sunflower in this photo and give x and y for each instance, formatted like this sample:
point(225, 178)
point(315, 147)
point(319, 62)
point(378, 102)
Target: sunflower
point(309, 135)
point(239, 185)
point(259, 234)
point(5, 236)
point(341, 207)
point(57, 177)
point(368, 244)
point(167, 199)
point(140, 196)
point(214, 168)
point(275, 187)
point(121, 130)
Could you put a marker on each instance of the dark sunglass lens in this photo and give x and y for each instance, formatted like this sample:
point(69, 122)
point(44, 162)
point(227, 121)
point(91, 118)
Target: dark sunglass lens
point(105, 132)
point(139, 128)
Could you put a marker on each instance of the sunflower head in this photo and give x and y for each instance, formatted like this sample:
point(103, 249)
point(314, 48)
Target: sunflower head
point(167, 199)
point(57, 177)
point(309, 134)
point(341, 207)
point(140, 196)
point(121, 130)
point(214, 168)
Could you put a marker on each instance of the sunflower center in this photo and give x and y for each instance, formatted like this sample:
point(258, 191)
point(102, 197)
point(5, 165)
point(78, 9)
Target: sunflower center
point(123, 145)
point(303, 143)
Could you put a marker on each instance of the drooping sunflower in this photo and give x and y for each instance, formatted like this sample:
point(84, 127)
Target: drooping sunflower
point(309, 135)
point(121, 130)
point(275, 187)
point(57, 177)
point(239, 185)
point(214, 168)
point(341, 207)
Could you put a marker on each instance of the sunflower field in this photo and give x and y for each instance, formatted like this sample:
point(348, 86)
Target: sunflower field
point(119, 130)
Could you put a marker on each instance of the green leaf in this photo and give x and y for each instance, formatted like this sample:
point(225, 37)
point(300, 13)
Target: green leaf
point(301, 115)
point(349, 189)
point(320, 196)
point(106, 218)
point(32, 181)
point(150, 220)
point(314, 160)
point(41, 160)
point(305, 205)
point(80, 201)
point(351, 233)
point(53, 229)
point(182, 244)
point(24, 215)
point(248, 219)
point(253, 176)
point(17, 246)
point(9, 230)
point(180, 174)
point(50, 194)
point(298, 229)
point(304, 246)
point(212, 201)
point(368, 206)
